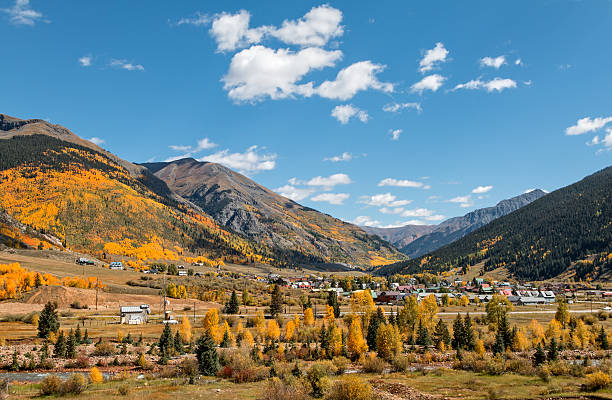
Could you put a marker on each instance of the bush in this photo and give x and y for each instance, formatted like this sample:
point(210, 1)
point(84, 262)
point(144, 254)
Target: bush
point(50, 385)
point(95, 375)
point(373, 364)
point(292, 389)
point(189, 368)
point(123, 389)
point(597, 380)
point(400, 363)
point(350, 388)
point(318, 376)
point(76, 384)
point(340, 363)
point(104, 349)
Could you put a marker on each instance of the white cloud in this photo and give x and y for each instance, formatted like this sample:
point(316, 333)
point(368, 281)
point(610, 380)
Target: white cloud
point(249, 162)
point(418, 212)
point(396, 107)
point(413, 222)
point(496, 62)
point(437, 217)
point(607, 140)
point(433, 57)
point(430, 82)
point(396, 210)
point(364, 220)
point(464, 201)
point(343, 157)
point(123, 64)
point(85, 61)
point(231, 31)
point(96, 141)
point(259, 72)
point(594, 142)
point(496, 84)
point(293, 193)
point(177, 147)
point(22, 14)
point(518, 62)
point(202, 144)
point(331, 198)
point(352, 79)
point(316, 28)
point(345, 112)
point(400, 183)
point(328, 182)
point(197, 20)
point(395, 133)
point(383, 199)
point(587, 124)
point(482, 189)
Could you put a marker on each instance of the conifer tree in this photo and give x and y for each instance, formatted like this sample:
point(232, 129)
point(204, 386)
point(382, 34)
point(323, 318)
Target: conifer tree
point(178, 343)
point(499, 345)
point(553, 350)
point(458, 333)
point(206, 353)
point(441, 334)
point(77, 334)
point(372, 333)
point(539, 357)
point(276, 304)
point(71, 345)
point(48, 321)
point(468, 333)
point(332, 300)
point(232, 306)
point(226, 341)
point(166, 342)
point(423, 338)
point(59, 350)
point(602, 339)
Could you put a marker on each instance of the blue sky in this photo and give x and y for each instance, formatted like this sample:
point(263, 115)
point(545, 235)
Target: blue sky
point(402, 112)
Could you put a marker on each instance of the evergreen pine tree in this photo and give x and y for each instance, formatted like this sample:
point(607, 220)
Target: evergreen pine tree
point(504, 328)
point(178, 343)
point(372, 333)
point(324, 339)
point(59, 350)
point(166, 343)
point(458, 333)
point(71, 345)
point(423, 338)
point(86, 339)
point(468, 333)
point(499, 345)
point(441, 334)
point(77, 334)
point(206, 353)
point(553, 350)
point(48, 321)
point(276, 304)
point(332, 300)
point(232, 306)
point(539, 357)
point(44, 351)
point(602, 339)
point(226, 342)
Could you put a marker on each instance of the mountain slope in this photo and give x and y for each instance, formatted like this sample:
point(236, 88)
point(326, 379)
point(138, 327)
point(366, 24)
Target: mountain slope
point(455, 228)
point(571, 226)
point(402, 236)
point(243, 206)
point(97, 203)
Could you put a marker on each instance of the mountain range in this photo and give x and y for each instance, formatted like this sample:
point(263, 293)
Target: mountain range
point(568, 231)
point(416, 240)
point(57, 183)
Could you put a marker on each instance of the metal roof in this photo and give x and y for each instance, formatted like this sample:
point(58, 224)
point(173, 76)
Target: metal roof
point(131, 309)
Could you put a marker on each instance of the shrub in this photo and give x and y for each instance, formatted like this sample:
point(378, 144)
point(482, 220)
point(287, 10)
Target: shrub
point(123, 389)
point(318, 376)
point(104, 349)
point(350, 388)
point(373, 364)
point(340, 363)
point(400, 363)
point(95, 375)
point(240, 367)
point(291, 389)
point(50, 385)
point(76, 384)
point(597, 380)
point(189, 368)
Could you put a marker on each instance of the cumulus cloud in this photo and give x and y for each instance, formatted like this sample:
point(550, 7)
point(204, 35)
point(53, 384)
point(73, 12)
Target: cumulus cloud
point(463, 201)
point(400, 183)
point(96, 141)
point(331, 198)
point(316, 28)
point(197, 20)
point(249, 162)
point(494, 85)
point(294, 193)
point(383, 199)
point(231, 31)
point(85, 61)
point(22, 14)
point(482, 189)
point(397, 107)
point(344, 113)
point(123, 64)
point(364, 220)
point(342, 157)
point(202, 144)
point(395, 133)
point(352, 79)
point(418, 212)
point(585, 125)
point(433, 57)
point(259, 72)
point(430, 82)
point(328, 182)
point(496, 62)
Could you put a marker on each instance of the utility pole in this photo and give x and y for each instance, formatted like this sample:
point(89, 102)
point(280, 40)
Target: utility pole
point(194, 312)
point(97, 285)
point(164, 289)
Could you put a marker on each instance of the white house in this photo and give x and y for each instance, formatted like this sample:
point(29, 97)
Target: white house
point(134, 315)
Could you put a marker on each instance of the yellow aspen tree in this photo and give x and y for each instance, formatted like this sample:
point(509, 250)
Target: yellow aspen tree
point(247, 338)
point(308, 317)
point(329, 315)
point(335, 340)
point(185, 329)
point(296, 321)
point(211, 320)
point(582, 333)
point(536, 331)
point(355, 343)
point(239, 328)
point(95, 375)
point(273, 329)
point(553, 330)
point(520, 342)
point(290, 330)
point(479, 347)
point(428, 308)
point(260, 325)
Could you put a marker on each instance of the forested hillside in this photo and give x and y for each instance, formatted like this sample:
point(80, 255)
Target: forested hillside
point(569, 227)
